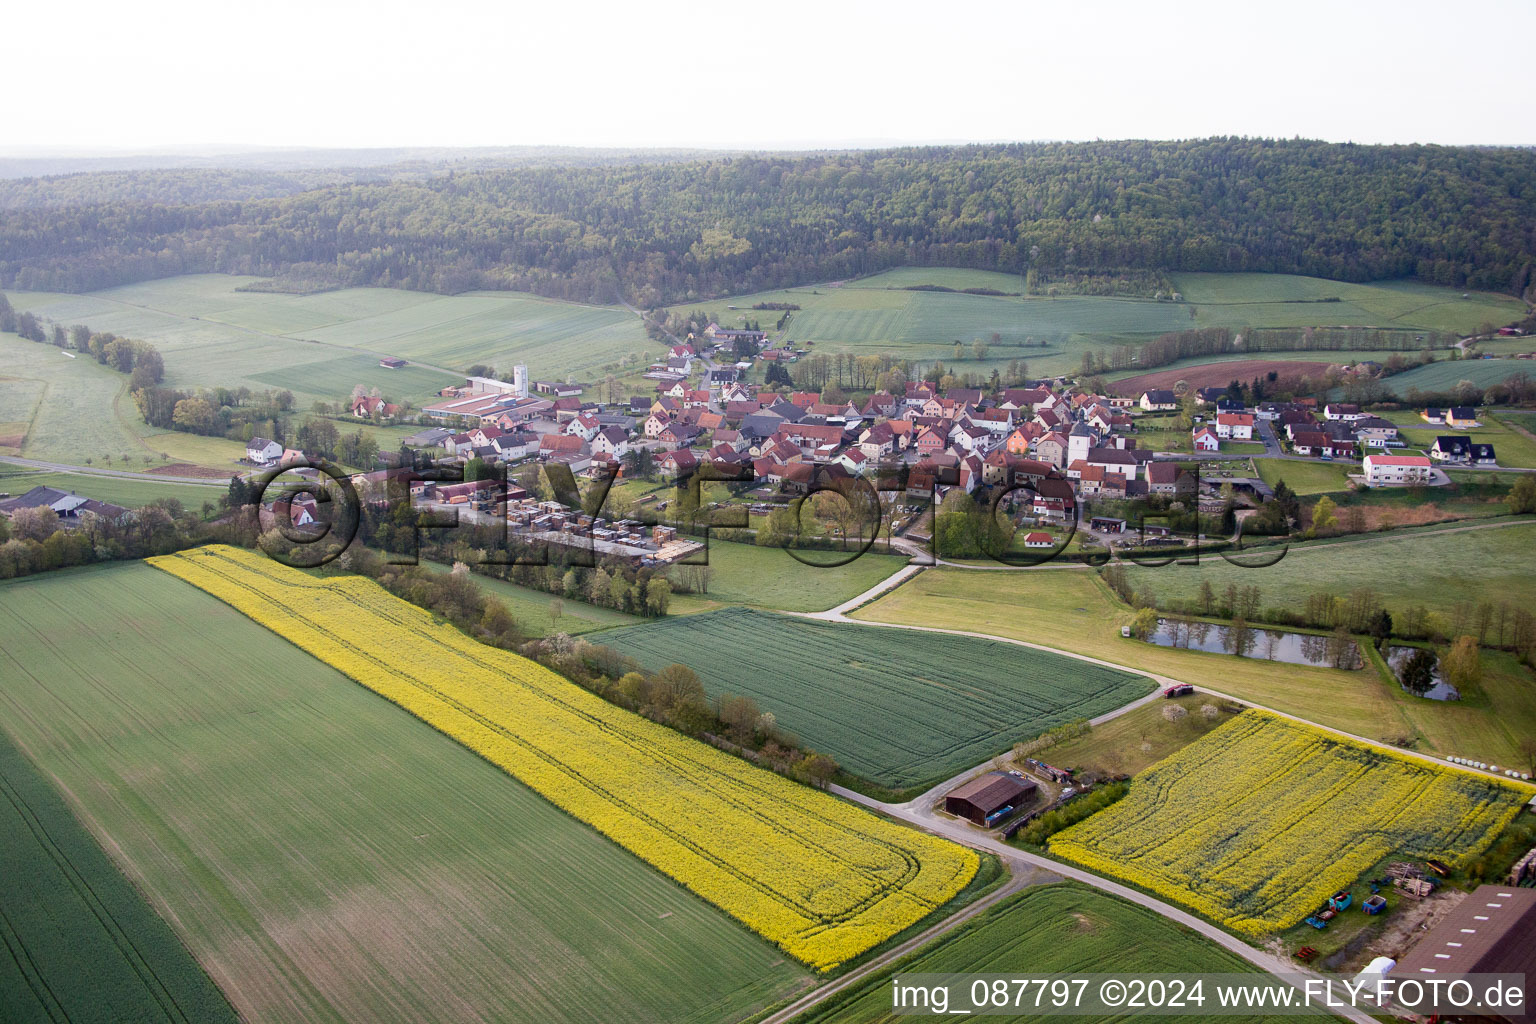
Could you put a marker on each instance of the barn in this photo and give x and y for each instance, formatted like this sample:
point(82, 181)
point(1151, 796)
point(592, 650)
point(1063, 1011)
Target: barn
point(985, 796)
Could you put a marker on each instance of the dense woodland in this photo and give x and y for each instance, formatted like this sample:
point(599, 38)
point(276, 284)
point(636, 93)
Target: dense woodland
point(656, 233)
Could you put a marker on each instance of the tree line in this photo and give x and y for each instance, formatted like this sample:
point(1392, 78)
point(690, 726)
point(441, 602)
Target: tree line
point(662, 233)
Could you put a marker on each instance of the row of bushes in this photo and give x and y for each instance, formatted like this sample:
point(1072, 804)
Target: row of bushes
point(1070, 813)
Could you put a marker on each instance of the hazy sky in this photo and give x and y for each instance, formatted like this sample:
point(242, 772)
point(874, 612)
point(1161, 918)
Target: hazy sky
point(113, 75)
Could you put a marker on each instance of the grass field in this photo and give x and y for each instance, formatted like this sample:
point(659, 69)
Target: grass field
point(326, 856)
point(1072, 610)
point(1435, 567)
point(895, 707)
point(82, 944)
point(1128, 743)
point(773, 578)
point(319, 346)
point(1287, 300)
point(1307, 477)
point(1444, 376)
point(130, 493)
point(1257, 824)
point(823, 880)
point(1050, 929)
point(877, 314)
point(532, 608)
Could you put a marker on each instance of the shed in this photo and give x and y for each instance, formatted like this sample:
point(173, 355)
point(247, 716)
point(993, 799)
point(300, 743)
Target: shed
point(988, 794)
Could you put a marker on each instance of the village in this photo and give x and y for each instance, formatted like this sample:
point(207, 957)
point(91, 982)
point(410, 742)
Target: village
point(1069, 468)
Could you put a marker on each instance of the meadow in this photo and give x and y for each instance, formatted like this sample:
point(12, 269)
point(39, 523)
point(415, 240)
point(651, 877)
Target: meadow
point(824, 881)
point(897, 708)
point(322, 854)
point(879, 314)
point(82, 943)
point(1073, 610)
point(1449, 565)
point(766, 577)
point(534, 612)
point(1443, 376)
point(319, 346)
point(1258, 823)
point(1288, 300)
point(125, 491)
point(1052, 929)
point(1306, 477)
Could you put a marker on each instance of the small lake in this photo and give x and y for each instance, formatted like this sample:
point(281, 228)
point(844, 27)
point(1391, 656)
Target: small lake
point(1251, 642)
point(1397, 657)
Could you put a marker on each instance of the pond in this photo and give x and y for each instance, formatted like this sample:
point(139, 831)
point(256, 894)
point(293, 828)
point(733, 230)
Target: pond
point(1262, 644)
point(1397, 657)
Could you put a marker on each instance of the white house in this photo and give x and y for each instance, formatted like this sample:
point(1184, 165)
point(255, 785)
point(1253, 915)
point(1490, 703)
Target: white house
point(1396, 470)
point(1159, 400)
point(584, 426)
point(1235, 425)
point(1206, 440)
point(263, 451)
point(610, 441)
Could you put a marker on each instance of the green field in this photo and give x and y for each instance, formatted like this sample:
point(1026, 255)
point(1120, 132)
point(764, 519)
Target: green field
point(125, 491)
point(1444, 376)
point(1287, 300)
point(319, 346)
point(895, 707)
point(534, 614)
point(1307, 477)
point(1434, 567)
point(774, 578)
point(327, 856)
point(1046, 930)
point(877, 314)
point(82, 944)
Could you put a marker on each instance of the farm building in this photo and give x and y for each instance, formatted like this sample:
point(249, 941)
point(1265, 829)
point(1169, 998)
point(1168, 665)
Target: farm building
point(1492, 931)
point(391, 363)
point(1105, 524)
point(985, 796)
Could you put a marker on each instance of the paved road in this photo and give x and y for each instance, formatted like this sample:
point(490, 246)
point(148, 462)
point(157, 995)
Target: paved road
point(1021, 877)
point(121, 474)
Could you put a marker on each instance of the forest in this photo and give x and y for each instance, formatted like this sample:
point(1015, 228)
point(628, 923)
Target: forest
point(674, 231)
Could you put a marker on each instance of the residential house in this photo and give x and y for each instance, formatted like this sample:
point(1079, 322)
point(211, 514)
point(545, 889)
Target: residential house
point(1337, 411)
point(584, 426)
point(1052, 448)
point(1453, 448)
point(1162, 477)
point(1207, 440)
point(1396, 470)
point(610, 441)
point(1237, 426)
point(263, 451)
point(1159, 400)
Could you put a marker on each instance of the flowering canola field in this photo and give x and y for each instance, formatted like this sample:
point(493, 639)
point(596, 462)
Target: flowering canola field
point(1257, 823)
point(821, 878)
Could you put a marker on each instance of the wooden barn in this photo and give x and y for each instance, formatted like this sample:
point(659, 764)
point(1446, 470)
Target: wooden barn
point(986, 795)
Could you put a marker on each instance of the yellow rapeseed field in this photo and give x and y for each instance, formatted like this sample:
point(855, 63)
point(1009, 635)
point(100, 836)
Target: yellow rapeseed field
point(823, 879)
point(1256, 824)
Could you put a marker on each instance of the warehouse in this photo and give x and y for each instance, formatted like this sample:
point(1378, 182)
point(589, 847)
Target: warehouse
point(1492, 931)
point(987, 796)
